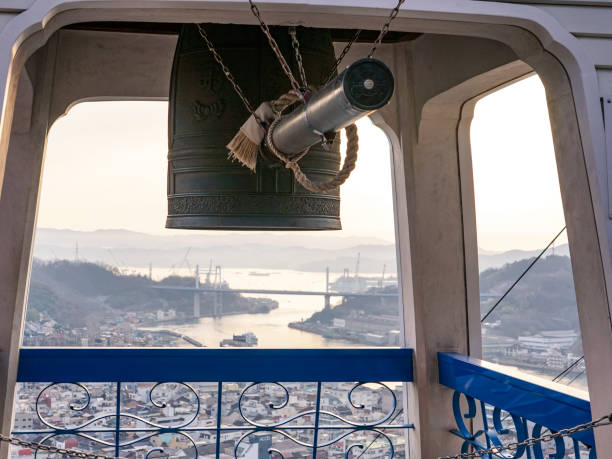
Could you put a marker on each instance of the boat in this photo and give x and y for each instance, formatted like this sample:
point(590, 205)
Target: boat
point(245, 340)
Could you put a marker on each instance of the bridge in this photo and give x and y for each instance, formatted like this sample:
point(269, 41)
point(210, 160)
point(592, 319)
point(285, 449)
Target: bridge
point(216, 287)
point(273, 292)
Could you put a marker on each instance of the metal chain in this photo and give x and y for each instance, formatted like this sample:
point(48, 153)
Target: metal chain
point(228, 74)
point(385, 28)
point(279, 55)
point(281, 59)
point(344, 52)
point(298, 56)
point(383, 32)
point(602, 421)
point(52, 449)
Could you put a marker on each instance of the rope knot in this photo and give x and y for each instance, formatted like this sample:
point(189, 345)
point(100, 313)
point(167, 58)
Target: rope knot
point(292, 163)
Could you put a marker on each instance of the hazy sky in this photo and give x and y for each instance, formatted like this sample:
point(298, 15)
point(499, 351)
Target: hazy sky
point(106, 168)
point(518, 204)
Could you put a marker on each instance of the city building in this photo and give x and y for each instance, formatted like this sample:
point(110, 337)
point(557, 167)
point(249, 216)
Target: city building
point(543, 342)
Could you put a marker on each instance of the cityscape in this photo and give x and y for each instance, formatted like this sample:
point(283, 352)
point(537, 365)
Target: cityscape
point(145, 406)
point(135, 314)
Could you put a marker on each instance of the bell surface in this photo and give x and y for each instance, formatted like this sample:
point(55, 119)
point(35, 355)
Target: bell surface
point(206, 190)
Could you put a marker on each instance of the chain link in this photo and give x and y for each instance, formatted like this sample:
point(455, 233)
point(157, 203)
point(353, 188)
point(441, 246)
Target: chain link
point(385, 28)
point(529, 442)
point(228, 73)
point(383, 32)
point(298, 56)
point(52, 449)
point(279, 55)
point(344, 52)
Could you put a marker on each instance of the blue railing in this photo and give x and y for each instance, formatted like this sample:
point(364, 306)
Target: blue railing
point(513, 407)
point(219, 403)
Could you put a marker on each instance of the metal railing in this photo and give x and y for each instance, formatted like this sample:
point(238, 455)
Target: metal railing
point(106, 400)
point(502, 406)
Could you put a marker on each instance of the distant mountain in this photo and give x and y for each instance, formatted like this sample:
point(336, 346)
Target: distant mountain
point(120, 237)
point(488, 259)
point(301, 251)
point(289, 250)
point(543, 300)
point(75, 293)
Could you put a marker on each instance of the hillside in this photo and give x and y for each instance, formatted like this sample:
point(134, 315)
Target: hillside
point(299, 251)
point(76, 293)
point(303, 252)
point(543, 300)
point(487, 260)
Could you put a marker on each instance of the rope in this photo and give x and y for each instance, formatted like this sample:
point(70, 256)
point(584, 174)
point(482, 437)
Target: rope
point(341, 176)
point(280, 105)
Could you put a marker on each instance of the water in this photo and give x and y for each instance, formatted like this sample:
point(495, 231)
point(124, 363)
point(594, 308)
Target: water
point(272, 328)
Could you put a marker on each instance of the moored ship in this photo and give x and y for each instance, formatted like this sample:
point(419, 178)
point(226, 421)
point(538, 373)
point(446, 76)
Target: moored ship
point(245, 340)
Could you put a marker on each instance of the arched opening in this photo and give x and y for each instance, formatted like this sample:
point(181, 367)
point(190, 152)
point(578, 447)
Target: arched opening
point(112, 222)
point(97, 252)
point(530, 323)
point(571, 133)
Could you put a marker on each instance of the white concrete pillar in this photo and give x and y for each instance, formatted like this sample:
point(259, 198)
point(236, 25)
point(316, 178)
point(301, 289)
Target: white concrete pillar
point(435, 213)
point(587, 235)
point(18, 203)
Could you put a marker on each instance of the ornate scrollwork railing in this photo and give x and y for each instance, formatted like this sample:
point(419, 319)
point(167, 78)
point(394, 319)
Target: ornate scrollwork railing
point(258, 409)
point(343, 425)
point(110, 422)
point(495, 427)
point(496, 406)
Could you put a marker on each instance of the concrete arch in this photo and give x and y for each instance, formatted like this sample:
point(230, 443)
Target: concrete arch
point(525, 29)
point(429, 118)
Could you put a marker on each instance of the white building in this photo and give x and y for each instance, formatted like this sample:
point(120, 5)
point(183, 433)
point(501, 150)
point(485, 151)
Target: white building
point(544, 341)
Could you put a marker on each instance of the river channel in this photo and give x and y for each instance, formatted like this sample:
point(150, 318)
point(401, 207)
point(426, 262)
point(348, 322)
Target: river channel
point(271, 329)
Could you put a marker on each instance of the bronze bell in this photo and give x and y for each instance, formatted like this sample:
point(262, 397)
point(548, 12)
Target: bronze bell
point(205, 189)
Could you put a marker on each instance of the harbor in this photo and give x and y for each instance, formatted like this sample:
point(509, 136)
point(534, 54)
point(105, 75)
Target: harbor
point(215, 290)
point(272, 328)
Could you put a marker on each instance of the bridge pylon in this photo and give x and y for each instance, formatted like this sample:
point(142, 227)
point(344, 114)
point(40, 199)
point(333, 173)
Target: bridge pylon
point(196, 295)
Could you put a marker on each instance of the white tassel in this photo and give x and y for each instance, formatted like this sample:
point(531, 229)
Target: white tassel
point(244, 150)
point(244, 147)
